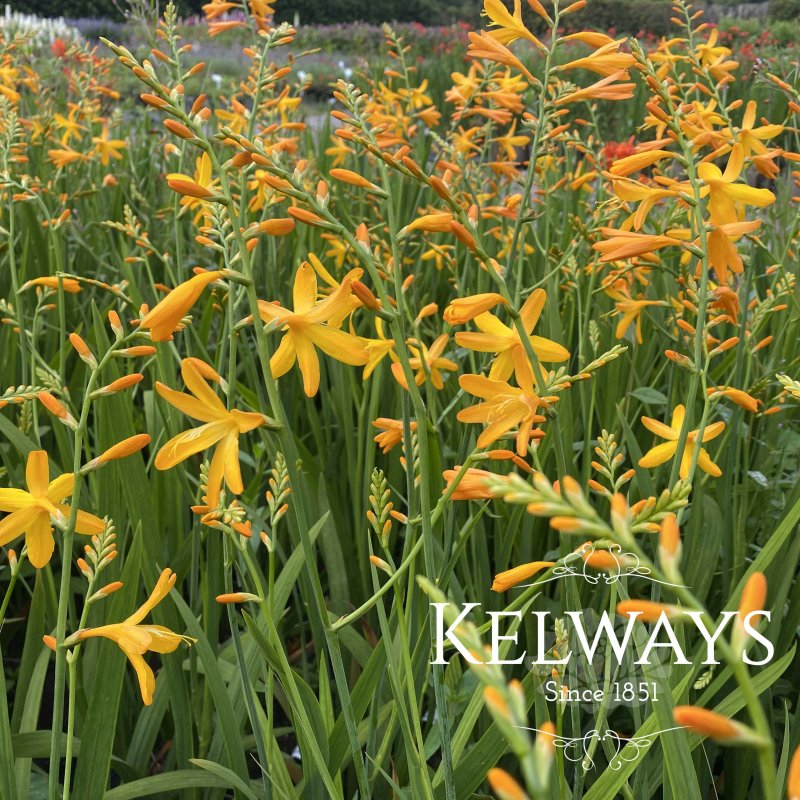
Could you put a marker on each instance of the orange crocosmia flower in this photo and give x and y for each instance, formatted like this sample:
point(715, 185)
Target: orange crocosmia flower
point(504, 581)
point(135, 639)
point(391, 432)
point(496, 337)
point(426, 361)
point(31, 510)
point(504, 407)
point(663, 452)
point(507, 27)
point(725, 196)
point(222, 428)
point(162, 320)
point(52, 282)
point(306, 328)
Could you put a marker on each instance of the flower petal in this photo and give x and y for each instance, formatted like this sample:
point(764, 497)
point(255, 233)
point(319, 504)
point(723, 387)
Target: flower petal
point(39, 540)
point(658, 455)
point(37, 473)
point(190, 442)
point(18, 522)
point(14, 499)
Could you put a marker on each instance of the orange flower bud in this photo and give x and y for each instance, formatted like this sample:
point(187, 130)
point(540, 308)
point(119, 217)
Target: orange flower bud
point(708, 723)
point(463, 235)
point(463, 309)
point(276, 227)
point(504, 786)
point(120, 384)
point(793, 781)
point(83, 350)
point(308, 217)
point(56, 408)
point(178, 128)
point(647, 610)
point(236, 597)
point(365, 295)
point(137, 351)
point(354, 179)
point(504, 581)
point(50, 641)
point(125, 448)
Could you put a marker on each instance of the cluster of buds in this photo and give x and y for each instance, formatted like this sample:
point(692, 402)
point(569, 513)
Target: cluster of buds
point(381, 508)
point(610, 458)
point(277, 496)
point(99, 554)
point(19, 394)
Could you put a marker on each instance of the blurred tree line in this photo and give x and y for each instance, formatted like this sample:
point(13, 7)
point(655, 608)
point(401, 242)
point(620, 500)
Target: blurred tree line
point(309, 11)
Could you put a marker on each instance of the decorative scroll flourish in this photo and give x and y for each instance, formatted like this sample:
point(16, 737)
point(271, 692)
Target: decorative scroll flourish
point(576, 565)
point(626, 749)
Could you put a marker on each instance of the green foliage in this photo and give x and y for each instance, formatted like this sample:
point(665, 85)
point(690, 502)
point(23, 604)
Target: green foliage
point(786, 10)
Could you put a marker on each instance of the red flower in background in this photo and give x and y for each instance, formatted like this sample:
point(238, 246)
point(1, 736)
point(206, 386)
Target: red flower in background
point(59, 48)
point(614, 150)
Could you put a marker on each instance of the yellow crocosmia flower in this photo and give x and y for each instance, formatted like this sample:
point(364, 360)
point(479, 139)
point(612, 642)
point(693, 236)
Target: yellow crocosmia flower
point(162, 319)
point(305, 328)
point(426, 361)
point(752, 139)
point(605, 61)
point(222, 428)
point(724, 195)
point(135, 639)
point(108, 148)
point(338, 151)
point(484, 45)
point(195, 189)
point(496, 337)
point(605, 89)
point(64, 155)
point(505, 407)
point(663, 452)
point(630, 310)
point(30, 511)
point(508, 27)
point(646, 196)
point(621, 244)
point(509, 143)
point(377, 349)
point(68, 124)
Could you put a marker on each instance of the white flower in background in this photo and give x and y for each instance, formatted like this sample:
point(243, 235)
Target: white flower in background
point(37, 30)
point(217, 79)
